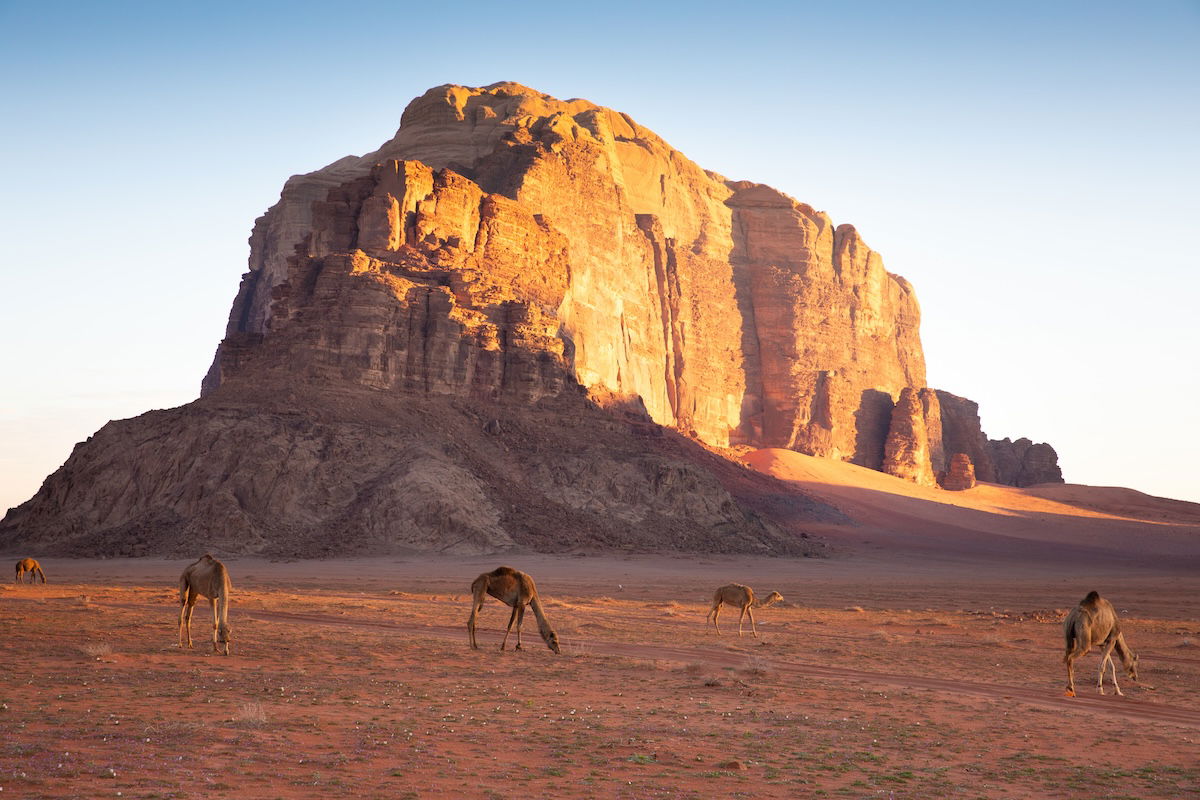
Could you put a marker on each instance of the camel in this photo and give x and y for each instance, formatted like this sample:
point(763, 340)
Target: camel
point(31, 566)
point(1094, 622)
point(516, 589)
point(743, 597)
point(206, 578)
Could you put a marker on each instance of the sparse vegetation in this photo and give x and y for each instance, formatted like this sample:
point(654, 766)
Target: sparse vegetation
point(657, 708)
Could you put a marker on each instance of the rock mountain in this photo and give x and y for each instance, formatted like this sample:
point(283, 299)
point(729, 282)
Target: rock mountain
point(526, 322)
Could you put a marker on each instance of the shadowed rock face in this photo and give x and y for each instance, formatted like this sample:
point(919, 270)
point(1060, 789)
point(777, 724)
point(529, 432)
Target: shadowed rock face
point(473, 339)
point(1023, 463)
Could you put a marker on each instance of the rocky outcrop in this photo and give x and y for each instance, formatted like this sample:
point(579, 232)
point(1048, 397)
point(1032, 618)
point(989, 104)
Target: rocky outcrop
point(959, 474)
point(908, 453)
point(1023, 463)
point(287, 471)
point(963, 433)
point(514, 326)
point(501, 218)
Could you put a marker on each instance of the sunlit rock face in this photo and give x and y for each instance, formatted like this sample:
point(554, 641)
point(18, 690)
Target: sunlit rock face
point(959, 474)
point(502, 234)
point(524, 323)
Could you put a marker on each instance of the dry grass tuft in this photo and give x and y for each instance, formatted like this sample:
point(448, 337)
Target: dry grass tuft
point(250, 715)
point(855, 609)
point(97, 650)
point(757, 666)
point(174, 731)
point(576, 648)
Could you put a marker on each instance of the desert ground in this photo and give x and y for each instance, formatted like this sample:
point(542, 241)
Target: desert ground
point(922, 659)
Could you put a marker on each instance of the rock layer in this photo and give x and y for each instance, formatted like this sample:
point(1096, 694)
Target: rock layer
point(474, 338)
point(504, 217)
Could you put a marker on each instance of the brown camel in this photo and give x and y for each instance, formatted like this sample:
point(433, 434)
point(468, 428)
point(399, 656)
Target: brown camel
point(31, 566)
point(516, 589)
point(1094, 622)
point(743, 597)
point(206, 578)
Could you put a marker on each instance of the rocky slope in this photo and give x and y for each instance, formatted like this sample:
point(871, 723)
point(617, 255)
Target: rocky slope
point(521, 263)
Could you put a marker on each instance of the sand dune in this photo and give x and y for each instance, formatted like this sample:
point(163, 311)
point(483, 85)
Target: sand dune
point(1037, 523)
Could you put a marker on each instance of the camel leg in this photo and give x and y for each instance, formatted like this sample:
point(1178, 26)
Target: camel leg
point(511, 618)
point(212, 602)
point(185, 619)
point(42, 575)
point(753, 629)
point(475, 607)
point(520, 621)
point(715, 613)
point(1106, 660)
point(1114, 677)
point(1070, 659)
point(741, 618)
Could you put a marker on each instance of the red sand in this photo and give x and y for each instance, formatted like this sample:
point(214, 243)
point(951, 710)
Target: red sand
point(924, 660)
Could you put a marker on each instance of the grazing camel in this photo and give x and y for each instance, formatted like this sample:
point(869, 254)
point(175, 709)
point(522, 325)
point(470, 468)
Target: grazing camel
point(31, 566)
point(743, 597)
point(516, 589)
point(206, 578)
point(1094, 622)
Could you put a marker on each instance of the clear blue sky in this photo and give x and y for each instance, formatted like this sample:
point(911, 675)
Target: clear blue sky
point(1031, 167)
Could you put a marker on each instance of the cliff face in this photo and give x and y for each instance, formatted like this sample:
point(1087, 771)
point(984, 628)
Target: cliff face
point(502, 229)
point(473, 338)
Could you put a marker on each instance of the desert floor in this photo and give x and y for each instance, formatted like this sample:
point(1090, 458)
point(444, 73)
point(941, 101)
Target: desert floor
point(894, 675)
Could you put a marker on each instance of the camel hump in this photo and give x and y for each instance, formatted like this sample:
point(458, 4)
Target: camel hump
point(1092, 598)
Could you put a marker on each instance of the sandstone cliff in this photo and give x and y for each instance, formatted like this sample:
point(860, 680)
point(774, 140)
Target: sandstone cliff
point(726, 309)
point(474, 338)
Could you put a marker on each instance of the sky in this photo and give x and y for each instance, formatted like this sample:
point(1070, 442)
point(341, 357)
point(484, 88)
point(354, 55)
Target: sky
point(1031, 167)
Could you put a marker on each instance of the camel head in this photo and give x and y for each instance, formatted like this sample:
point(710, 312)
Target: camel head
point(551, 640)
point(224, 635)
point(1131, 667)
point(772, 598)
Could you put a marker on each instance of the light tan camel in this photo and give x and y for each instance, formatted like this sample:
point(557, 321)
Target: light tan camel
point(1094, 622)
point(31, 566)
point(516, 589)
point(206, 578)
point(743, 597)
